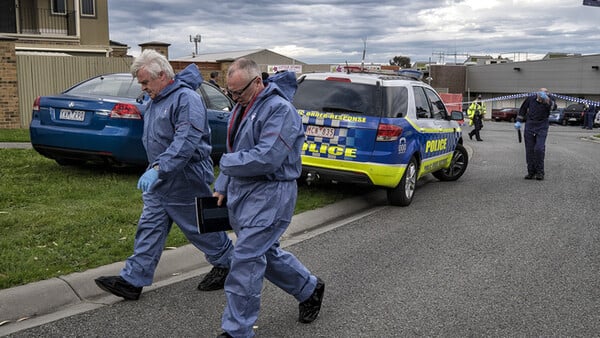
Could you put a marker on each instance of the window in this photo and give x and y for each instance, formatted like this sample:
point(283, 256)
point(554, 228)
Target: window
point(337, 97)
point(214, 99)
point(59, 6)
point(395, 101)
point(422, 105)
point(438, 109)
point(88, 7)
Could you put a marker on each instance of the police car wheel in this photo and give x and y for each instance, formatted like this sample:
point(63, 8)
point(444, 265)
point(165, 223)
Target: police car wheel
point(402, 195)
point(458, 165)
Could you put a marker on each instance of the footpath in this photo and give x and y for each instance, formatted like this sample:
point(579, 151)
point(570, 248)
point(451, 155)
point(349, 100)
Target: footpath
point(36, 303)
point(15, 145)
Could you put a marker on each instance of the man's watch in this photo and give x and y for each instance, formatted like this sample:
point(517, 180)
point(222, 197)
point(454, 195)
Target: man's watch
point(156, 167)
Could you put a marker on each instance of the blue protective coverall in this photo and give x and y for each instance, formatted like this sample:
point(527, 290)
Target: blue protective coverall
point(258, 177)
point(588, 119)
point(177, 139)
point(535, 112)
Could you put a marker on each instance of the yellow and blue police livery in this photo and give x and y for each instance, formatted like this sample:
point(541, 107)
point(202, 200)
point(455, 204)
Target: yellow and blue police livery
point(377, 129)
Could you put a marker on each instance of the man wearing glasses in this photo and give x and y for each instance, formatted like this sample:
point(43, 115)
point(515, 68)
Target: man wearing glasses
point(258, 177)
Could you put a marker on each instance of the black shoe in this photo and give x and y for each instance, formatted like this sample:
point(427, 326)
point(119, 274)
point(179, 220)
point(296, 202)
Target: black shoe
point(224, 335)
point(529, 176)
point(479, 139)
point(309, 309)
point(471, 136)
point(119, 287)
point(214, 280)
point(539, 177)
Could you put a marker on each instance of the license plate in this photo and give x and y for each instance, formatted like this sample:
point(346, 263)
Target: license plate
point(72, 115)
point(318, 131)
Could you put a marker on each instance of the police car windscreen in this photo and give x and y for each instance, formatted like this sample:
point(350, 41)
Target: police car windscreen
point(337, 97)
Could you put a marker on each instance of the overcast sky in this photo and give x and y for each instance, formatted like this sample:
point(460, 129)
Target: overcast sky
point(335, 31)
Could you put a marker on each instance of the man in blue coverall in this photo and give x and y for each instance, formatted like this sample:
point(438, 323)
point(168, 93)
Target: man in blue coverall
point(588, 117)
point(535, 111)
point(177, 142)
point(258, 177)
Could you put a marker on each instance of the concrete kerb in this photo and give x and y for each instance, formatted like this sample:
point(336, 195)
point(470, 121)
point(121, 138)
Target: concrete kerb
point(23, 306)
point(15, 145)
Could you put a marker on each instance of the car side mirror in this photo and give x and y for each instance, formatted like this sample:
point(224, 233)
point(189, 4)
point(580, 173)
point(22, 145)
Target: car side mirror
point(456, 115)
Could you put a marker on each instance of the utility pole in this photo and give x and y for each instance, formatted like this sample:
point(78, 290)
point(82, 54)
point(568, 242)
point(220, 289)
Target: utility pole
point(196, 39)
point(442, 56)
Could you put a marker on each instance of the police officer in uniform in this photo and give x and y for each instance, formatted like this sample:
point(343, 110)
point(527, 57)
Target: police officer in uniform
point(476, 112)
point(535, 110)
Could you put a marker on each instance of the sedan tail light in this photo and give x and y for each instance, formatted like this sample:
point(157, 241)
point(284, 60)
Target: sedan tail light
point(36, 104)
point(388, 132)
point(125, 111)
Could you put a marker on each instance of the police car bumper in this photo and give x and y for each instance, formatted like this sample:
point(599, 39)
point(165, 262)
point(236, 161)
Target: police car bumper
point(384, 175)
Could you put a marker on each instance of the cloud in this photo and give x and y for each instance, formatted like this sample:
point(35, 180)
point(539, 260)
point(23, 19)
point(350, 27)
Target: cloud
point(335, 31)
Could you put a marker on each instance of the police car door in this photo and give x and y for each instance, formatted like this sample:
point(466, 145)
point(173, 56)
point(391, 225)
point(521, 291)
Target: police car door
point(436, 132)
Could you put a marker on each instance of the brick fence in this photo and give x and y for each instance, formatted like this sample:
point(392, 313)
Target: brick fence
point(10, 116)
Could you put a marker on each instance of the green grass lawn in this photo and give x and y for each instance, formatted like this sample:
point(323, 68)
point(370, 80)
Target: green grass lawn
point(14, 135)
point(55, 220)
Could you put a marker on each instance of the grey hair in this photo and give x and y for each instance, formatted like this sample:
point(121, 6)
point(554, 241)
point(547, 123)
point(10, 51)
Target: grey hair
point(247, 66)
point(154, 63)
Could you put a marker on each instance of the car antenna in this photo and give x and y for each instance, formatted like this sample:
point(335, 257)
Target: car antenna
point(362, 63)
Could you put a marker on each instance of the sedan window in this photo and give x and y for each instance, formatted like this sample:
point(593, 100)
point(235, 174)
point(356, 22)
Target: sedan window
point(117, 86)
point(215, 99)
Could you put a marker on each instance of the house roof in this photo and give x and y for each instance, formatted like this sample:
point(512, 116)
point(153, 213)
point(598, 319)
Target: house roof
point(116, 43)
point(154, 43)
point(222, 56)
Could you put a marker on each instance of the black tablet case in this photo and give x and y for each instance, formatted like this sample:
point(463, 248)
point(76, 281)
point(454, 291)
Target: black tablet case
point(210, 217)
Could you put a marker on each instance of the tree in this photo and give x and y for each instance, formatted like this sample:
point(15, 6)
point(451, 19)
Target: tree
point(402, 61)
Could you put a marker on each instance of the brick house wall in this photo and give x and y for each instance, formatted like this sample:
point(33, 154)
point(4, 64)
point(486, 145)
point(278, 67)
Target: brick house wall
point(10, 117)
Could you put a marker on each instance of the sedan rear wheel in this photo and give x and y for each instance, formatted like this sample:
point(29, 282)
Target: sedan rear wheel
point(402, 195)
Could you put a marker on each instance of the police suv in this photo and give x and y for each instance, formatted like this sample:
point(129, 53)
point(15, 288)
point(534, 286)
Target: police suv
point(385, 130)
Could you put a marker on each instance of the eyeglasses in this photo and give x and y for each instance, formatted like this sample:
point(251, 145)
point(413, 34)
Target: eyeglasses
point(239, 93)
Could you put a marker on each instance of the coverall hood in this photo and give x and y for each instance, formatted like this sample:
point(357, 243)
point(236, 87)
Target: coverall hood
point(286, 84)
point(189, 77)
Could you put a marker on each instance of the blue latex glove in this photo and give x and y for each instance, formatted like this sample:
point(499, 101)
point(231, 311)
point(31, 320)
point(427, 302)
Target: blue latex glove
point(147, 180)
point(518, 125)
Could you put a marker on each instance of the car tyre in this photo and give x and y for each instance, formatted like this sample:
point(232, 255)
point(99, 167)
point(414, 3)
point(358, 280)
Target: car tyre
point(402, 194)
point(458, 165)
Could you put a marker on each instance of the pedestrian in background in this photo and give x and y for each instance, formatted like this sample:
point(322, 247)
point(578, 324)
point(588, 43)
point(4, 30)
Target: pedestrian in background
point(214, 79)
point(177, 142)
point(258, 178)
point(535, 110)
point(476, 113)
point(588, 117)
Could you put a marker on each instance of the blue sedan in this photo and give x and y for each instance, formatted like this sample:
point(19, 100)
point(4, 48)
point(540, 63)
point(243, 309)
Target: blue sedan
point(100, 120)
